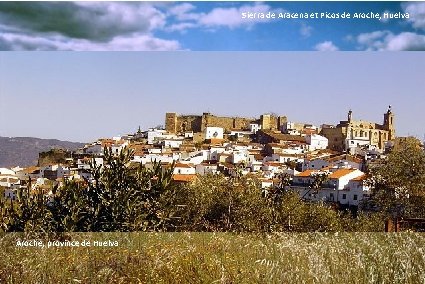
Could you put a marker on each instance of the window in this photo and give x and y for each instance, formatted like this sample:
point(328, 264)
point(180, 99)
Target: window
point(355, 197)
point(344, 196)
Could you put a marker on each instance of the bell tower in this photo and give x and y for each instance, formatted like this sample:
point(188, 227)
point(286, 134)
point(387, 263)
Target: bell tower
point(350, 116)
point(389, 123)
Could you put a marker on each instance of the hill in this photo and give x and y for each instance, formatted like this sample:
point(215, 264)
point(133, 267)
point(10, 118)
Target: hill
point(23, 151)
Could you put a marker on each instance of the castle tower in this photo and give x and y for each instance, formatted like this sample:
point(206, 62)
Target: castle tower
point(205, 121)
point(265, 121)
point(171, 122)
point(389, 123)
point(350, 116)
point(281, 121)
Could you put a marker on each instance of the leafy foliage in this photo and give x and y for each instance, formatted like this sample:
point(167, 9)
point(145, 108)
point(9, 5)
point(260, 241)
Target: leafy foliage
point(125, 197)
point(28, 213)
point(398, 182)
point(118, 198)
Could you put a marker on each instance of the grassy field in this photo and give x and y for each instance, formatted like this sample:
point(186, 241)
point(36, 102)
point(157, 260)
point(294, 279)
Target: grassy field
point(219, 258)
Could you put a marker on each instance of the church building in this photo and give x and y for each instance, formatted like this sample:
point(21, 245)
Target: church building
point(355, 133)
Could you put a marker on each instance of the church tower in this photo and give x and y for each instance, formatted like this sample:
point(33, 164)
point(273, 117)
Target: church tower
point(350, 116)
point(389, 123)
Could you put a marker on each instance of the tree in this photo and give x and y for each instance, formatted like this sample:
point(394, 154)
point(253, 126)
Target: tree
point(319, 179)
point(217, 203)
point(118, 198)
point(124, 198)
point(28, 213)
point(398, 181)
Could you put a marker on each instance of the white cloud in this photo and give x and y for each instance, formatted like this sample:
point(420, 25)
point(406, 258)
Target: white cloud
point(386, 40)
point(180, 27)
point(416, 12)
point(306, 30)
point(326, 46)
point(385, 20)
point(82, 26)
point(406, 41)
point(232, 17)
point(98, 21)
point(15, 41)
point(182, 12)
point(372, 40)
point(219, 17)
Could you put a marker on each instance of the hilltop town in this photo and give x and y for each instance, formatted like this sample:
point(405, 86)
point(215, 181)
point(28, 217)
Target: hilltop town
point(268, 147)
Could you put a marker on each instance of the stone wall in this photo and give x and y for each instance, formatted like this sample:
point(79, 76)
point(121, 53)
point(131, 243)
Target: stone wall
point(175, 123)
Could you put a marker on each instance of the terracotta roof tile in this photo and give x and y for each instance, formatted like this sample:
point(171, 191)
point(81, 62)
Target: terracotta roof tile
point(340, 173)
point(306, 173)
point(359, 178)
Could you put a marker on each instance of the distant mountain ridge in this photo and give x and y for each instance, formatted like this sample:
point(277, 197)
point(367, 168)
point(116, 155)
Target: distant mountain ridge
point(23, 151)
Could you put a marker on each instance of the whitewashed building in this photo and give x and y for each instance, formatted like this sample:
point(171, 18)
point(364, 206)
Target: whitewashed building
point(316, 142)
point(214, 132)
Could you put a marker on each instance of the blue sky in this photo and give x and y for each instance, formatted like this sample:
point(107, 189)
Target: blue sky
point(207, 26)
point(82, 96)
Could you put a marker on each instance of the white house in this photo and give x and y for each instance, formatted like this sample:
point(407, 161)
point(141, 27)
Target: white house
point(337, 161)
point(84, 163)
point(30, 172)
point(356, 142)
point(162, 158)
point(255, 166)
point(153, 133)
point(254, 127)
point(54, 171)
point(6, 171)
point(339, 182)
point(196, 157)
point(118, 146)
point(239, 157)
point(184, 169)
point(266, 183)
point(172, 142)
point(214, 132)
point(354, 192)
point(8, 181)
point(205, 168)
point(283, 158)
point(315, 164)
point(240, 133)
point(316, 142)
point(272, 168)
point(215, 151)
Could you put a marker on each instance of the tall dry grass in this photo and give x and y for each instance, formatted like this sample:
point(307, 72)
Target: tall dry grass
point(221, 258)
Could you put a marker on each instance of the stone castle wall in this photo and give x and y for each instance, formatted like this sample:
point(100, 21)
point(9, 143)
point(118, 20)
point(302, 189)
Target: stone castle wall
point(175, 123)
